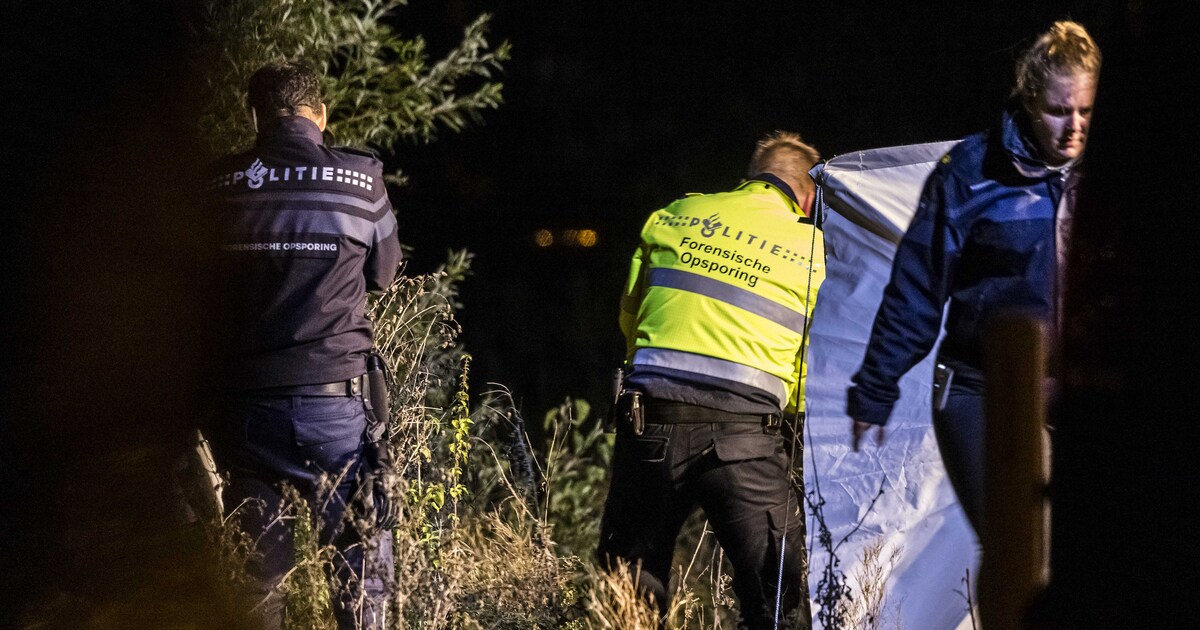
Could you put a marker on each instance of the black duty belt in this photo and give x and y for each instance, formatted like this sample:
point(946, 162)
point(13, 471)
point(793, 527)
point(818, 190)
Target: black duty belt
point(351, 387)
point(700, 415)
point(765, 419)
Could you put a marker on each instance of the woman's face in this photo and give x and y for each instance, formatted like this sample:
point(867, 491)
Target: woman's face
point(1060, 116)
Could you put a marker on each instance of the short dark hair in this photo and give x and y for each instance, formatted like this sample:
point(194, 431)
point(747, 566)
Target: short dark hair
point(280, 87)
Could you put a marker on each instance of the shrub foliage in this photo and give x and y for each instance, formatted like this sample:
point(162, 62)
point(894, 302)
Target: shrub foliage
point(380, 86)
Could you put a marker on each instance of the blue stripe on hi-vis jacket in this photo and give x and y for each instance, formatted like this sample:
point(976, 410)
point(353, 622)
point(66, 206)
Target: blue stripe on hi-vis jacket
point(717, 290)
point(288, 246)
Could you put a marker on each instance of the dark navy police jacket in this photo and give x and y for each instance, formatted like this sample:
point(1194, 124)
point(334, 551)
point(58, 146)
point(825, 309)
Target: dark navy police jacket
point(983, 237)
point(307, 231)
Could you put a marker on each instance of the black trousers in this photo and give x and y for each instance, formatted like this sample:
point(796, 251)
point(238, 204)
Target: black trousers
point(737, 473)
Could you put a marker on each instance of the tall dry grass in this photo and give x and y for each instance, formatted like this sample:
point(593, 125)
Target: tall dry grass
point(870, 608)
point(495, 530)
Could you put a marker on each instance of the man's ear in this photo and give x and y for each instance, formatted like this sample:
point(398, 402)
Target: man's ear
point(806, 204)
point(322, 117)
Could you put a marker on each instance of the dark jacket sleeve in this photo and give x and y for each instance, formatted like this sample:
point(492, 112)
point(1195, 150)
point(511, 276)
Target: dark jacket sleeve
point(384, 256)
point(910, 316)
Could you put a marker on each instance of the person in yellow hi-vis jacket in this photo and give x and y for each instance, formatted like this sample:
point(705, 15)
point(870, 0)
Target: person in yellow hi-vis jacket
point(715, 315)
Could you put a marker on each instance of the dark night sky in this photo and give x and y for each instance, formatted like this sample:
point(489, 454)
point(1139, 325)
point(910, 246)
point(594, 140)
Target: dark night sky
point(615, 108)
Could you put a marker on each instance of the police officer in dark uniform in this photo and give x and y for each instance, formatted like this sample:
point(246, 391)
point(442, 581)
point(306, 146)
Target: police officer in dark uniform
point(307, 231)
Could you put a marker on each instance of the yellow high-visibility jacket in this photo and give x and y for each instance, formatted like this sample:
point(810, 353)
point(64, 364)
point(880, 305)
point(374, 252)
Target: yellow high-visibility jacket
point(722, 288)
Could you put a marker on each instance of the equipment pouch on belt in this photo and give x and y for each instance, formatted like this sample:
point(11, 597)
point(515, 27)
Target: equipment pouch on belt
point(379, 479)
point(631, 413)
point(375, 397)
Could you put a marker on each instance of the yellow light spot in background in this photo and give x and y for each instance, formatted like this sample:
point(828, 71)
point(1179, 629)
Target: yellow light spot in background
point(569, 237)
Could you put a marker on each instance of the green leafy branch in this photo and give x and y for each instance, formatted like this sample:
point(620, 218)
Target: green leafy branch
point(380, 86)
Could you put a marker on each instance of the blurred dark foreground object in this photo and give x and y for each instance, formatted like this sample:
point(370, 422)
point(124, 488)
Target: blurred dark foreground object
point(1123, 548)
point(107, 336)
point(1123, 553)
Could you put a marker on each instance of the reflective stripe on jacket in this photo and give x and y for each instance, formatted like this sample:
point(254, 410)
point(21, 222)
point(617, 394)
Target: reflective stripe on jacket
point(307, 231)
point(721, 289)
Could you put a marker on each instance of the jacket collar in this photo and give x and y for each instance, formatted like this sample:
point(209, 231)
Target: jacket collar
point(290, 126)
point(1017, 143)
point(768, 178)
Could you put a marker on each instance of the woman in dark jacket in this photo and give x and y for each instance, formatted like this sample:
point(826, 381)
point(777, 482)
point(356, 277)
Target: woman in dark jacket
point(988, 235)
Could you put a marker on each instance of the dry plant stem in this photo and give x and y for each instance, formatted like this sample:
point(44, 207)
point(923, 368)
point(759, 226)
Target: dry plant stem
point(558, 439)
point(866, 612)
point(833, 594)
point(696, 552)
point(503, 478)
point(518, 449)
point(616, 603)
point(966, 595)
